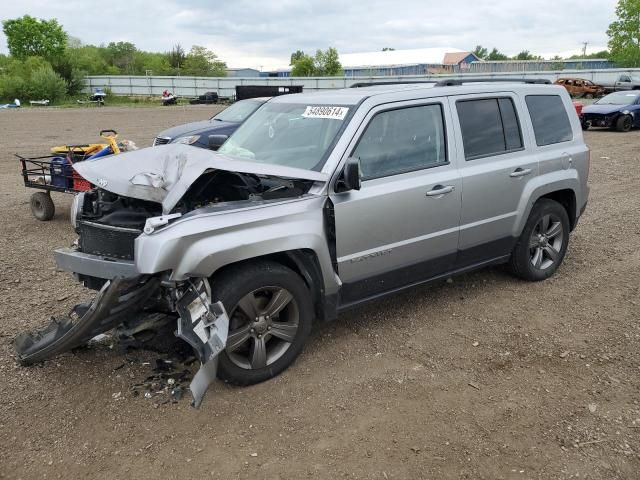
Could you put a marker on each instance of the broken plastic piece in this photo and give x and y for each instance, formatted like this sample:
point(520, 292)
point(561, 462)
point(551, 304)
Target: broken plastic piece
point(203, 325)
point(116, 300)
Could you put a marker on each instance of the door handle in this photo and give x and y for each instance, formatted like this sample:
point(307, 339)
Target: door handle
point(440, 190)
point(520, 172)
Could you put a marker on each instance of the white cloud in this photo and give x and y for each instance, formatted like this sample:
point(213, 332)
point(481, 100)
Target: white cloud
point(264, 33)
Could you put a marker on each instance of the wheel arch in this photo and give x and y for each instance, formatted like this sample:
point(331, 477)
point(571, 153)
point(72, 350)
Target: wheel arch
point(567, 198)
point(557, 186)
point(306, 264)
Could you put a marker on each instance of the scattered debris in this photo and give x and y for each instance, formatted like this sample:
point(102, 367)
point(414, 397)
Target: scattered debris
point(166, 381)
point(474, 385)
point(592, 407)
point(117, 396)
point(564, 354)
point(254, 454)
point(415, 450)
point(475, 344)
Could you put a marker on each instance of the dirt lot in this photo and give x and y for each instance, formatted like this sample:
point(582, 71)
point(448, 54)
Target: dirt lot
point(397, 389)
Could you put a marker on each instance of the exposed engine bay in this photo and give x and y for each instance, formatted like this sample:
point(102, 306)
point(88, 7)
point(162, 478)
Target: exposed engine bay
point(211, 188)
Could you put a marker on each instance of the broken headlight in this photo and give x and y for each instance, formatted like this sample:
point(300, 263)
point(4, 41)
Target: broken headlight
point(189, 140)
point(76, 208)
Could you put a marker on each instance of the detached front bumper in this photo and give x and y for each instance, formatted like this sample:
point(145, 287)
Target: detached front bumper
point(74, 261)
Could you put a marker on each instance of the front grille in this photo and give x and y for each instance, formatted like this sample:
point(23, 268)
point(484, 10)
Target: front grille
point(161, 141)
point(113, 242)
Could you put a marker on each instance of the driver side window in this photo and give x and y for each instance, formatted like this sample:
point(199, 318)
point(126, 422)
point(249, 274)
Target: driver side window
point(402, 140)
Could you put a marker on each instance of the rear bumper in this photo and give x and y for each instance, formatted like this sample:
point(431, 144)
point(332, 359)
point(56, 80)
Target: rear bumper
point(71, 260)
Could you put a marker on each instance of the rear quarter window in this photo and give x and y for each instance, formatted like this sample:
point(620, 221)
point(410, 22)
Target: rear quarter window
point(549, 118)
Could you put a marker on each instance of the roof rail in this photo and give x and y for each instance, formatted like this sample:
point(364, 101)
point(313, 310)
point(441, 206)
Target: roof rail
point(450, 82)
point(396, 82)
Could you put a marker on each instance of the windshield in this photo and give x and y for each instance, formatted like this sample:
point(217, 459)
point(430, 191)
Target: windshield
point(238, 112)
point(293, 135)
point(619, 98)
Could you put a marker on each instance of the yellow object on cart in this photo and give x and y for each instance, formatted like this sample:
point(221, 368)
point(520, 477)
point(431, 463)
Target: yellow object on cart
point(88, 149)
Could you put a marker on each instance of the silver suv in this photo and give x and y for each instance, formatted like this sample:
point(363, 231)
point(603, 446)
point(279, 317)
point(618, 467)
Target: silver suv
point(317, 203)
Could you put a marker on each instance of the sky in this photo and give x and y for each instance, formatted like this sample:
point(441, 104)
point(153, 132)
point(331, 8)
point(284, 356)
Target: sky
point(262, 34)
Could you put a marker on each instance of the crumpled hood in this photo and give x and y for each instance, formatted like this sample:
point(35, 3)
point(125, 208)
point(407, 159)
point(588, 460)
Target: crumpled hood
point(163, 174)
point(604, 109)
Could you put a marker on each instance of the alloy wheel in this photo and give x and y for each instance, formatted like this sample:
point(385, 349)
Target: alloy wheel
point(545, 243)
point(263, 326)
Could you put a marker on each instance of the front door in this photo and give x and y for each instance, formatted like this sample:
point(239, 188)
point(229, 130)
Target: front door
point(401, 227)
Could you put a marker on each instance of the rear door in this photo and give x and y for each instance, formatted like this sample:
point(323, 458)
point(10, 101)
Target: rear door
point(401, 227)
point(495, 167)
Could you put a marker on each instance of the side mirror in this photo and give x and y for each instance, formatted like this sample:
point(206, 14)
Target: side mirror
point(350, 176)
point(216, 141)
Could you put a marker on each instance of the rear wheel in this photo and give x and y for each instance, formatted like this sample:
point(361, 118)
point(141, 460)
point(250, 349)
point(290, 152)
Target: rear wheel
point(42, 206)
point(624, 123)
point(270, 316)
point(543, 243)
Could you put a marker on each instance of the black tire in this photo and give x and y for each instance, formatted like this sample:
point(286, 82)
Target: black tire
point(235, 284)
point(524, 254)
point(42, 206)
point(585, 126)
point(624, 123)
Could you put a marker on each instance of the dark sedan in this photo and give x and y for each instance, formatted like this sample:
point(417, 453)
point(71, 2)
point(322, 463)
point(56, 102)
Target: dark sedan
point(619, 111)
point(224, 123)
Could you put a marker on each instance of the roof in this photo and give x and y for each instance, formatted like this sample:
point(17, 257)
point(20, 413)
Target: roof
point(454, 58)
point(413, 56)
point(352, 96)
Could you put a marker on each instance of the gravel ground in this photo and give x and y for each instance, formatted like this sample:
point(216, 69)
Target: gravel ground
point(483, 377)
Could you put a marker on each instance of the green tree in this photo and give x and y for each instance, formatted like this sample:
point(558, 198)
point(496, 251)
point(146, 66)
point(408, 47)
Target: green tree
point(624, 34)
point(328, 63)
point(481, 52)
point(526, 55)
point(203, 62)
point(600, 54)
point(30, 37)
point(121, 55)
point(177, 56)
point(303, 66)
point(495, 55)
point(322, 64)
point(388, 49)
point(295, 56)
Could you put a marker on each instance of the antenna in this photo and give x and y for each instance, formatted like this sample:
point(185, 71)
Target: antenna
point(584, 49)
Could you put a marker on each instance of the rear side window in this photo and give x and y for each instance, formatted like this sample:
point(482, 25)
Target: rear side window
point(402, 140)
point(549, 118)
point(489, 127)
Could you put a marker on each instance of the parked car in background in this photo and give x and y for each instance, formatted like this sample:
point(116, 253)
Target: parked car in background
point(618, 110)
point(224, 123)
point(626, 81)
point(579, 87)
point(317, 203)
point(207, 99)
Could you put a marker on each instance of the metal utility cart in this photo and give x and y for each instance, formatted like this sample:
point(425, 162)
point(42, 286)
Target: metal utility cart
point(55, 173)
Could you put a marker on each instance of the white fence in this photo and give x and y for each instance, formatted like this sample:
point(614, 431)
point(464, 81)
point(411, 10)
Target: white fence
point(225, 86)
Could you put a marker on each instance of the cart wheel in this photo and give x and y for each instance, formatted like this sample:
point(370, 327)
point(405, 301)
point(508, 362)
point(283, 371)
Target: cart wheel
point(42, 206)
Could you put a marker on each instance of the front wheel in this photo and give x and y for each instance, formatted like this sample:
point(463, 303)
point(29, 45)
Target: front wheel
point(624, 123)
point(543, 242)
point(270, 315)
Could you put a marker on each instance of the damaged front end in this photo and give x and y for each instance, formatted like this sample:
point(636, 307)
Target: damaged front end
point(201, 323)
point(131, 242)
